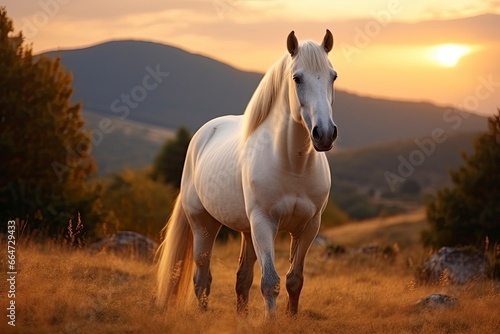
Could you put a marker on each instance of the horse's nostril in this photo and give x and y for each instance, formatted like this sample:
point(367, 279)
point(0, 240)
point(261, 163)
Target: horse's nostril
point(335, 132)
point(315, 133)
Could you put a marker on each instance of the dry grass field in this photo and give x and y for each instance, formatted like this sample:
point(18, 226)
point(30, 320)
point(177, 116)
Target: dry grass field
point(61, 291)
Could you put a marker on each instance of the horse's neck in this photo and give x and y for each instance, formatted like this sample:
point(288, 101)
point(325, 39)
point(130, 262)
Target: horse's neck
point(291, 139)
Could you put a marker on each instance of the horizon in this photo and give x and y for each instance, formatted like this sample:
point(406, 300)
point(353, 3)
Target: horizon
point(431, 51)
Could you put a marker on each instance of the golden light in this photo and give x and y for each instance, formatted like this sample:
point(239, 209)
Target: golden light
point(449, 54)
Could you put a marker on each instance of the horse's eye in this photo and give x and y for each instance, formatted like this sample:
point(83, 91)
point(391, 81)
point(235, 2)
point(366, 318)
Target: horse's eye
point(297, 79)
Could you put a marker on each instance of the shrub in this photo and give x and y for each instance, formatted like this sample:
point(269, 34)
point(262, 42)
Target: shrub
point(469, 211)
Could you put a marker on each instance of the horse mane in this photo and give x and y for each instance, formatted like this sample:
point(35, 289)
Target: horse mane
point(310, 55)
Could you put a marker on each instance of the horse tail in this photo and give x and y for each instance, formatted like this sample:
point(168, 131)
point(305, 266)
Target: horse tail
point(175, 264)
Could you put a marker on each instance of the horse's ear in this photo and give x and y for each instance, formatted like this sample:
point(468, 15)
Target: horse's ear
point(292, 44)
point(327, 41)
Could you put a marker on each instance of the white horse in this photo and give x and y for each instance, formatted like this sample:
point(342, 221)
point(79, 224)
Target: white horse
point(258, 173)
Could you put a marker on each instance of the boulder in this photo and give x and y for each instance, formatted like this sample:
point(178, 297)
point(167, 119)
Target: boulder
point(437, 300)
point(454, 265)
point(126, 244)
point(321, 240)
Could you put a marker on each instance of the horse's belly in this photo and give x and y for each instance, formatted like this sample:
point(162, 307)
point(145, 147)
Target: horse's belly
point(221, 195)
point(217, 180)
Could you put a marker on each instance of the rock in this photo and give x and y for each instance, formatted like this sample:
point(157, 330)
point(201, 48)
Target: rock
point(453, 265)
point(329, 249)
point(126, 243)
point(371, 249)
point(334, 249)
point(437, 300)
point(321, 240)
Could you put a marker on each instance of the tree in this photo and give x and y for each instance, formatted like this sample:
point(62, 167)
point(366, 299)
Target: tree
point(46, 154)
point(469, 211)
point(169, 163)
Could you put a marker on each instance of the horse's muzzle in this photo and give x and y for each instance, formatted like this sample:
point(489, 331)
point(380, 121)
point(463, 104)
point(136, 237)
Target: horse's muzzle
point(323, 137)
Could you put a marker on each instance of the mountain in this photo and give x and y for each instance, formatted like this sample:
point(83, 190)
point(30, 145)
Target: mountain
point(167, 87)
point(156, 84)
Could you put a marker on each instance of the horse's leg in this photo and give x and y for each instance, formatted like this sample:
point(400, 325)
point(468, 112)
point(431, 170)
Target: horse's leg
point(263, 235)
point(298, 250)
point(205, 229)
point(244, 276)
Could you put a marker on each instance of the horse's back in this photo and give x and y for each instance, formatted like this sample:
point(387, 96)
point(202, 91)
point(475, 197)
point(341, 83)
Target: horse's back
point(212, 167)
point(210, 134)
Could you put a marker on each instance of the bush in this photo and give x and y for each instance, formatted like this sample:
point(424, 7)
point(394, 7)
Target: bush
point(469, 211)
point(138, 203)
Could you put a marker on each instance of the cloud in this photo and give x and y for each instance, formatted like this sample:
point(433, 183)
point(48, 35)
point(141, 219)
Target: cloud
point(258, 22)
point(477, 29)
point(110, 10)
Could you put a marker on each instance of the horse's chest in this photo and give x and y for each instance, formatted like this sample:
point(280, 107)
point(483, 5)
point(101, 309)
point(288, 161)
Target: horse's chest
point(294, 207)
point(287, 198)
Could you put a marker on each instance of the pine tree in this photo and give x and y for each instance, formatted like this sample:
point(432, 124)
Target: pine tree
point(469, 211)
point(169, 163)
point(46, 154)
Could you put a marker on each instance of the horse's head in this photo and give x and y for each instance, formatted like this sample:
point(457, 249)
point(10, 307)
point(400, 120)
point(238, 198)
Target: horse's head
point(311, 89)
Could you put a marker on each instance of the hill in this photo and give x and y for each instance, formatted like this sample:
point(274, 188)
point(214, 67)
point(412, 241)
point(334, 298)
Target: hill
point(403, 229)
point(131, 144)
point(367, 166)
point(393, 177)
point(168, 87)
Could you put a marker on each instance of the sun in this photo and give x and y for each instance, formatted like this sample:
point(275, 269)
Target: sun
point(449, 54)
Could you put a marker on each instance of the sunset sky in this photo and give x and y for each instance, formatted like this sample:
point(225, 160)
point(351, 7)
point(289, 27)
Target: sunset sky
point(442, 51)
